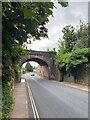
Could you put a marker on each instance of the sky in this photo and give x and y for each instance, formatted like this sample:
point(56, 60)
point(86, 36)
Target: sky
point(63, 16)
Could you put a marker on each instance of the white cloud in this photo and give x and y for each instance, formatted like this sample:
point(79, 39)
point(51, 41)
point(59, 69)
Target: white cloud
point(42, 44)
point(70, 15)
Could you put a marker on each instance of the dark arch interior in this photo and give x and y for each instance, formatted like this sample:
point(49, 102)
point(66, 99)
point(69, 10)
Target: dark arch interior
point(39, 61)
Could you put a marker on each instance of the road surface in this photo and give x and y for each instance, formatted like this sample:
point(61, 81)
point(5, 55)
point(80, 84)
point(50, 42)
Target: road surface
point(54, 100)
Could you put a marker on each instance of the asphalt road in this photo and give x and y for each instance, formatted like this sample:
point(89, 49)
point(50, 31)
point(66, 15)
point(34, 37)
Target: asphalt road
point(54, 100)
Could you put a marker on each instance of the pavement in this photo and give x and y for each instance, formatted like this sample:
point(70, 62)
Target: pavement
point(75, 85)
point(20, 107)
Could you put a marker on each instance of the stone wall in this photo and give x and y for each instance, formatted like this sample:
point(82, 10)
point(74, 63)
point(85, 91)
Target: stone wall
point(83, 75)
point(57, 74)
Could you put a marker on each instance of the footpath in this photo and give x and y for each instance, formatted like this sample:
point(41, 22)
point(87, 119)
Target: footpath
point(77, 86)
point(20, 107)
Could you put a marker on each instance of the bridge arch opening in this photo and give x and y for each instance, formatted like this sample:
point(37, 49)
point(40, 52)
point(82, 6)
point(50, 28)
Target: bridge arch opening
point(42, 69)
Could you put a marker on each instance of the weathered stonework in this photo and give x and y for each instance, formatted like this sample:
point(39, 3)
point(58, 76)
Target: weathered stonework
point(42, 58)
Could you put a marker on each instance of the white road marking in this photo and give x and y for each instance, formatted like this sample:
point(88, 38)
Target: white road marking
point(33, 105)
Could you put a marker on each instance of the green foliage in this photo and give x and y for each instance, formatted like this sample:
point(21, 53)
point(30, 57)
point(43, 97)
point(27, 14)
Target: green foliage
point(69, 36)
point(73, 51)
point(11, 60)
point(26, 17)
point(7, 99)
point(23, 69)
point(64, 3)
point(82, 37)
point(76, 58)
point(60, 54)
point(28, 67)
point(52, 53)
point(18, 20)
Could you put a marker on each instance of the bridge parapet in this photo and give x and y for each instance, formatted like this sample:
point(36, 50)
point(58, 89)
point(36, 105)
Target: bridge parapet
point(41, 53)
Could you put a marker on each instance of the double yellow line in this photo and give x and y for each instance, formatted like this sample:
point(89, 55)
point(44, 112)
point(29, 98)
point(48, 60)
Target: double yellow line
point(33, 105)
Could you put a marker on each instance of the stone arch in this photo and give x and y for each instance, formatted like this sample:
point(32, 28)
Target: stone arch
point(42, 58)
point(38, 60)
point(43, 65)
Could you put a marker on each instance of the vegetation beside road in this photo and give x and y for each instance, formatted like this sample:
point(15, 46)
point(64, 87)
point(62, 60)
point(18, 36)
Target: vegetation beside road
point(74, 49)
point(6, 98)
point(28, 68)
point(20, 20)
point(24, 20)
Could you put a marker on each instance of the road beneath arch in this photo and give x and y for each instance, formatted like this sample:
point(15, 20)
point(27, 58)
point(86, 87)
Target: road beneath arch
point(54, 100)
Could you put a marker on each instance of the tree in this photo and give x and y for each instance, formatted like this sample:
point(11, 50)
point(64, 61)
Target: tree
point(29, 67)
point(69, 37)
point(82, 37)
point(72, 53)
point(25, 18)
point(18, 20)
point(23, 70)
point(52, 53)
